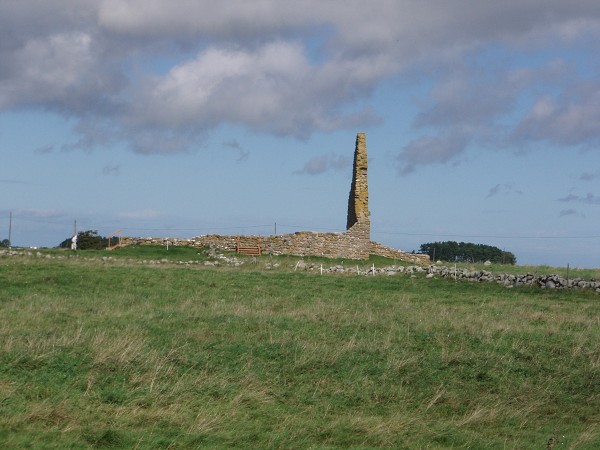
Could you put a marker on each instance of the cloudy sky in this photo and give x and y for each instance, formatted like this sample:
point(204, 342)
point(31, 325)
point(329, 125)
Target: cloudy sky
point(187, 117)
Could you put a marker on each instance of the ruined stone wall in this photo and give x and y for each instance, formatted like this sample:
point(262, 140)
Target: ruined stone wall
point(329, 245)
point(388, 252)
point(355, 243)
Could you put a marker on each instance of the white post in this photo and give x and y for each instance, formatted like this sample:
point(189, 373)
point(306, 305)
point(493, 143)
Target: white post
point(321, 269)
point(373, 269)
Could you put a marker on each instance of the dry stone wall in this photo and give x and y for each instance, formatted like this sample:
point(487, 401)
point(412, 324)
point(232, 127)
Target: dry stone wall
point(329, 245)
point(458, 274)
point(388, 252)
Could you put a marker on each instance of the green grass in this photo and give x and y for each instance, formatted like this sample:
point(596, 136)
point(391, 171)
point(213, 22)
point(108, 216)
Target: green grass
point(186, 254)
point(150, 252)
point(123, 355)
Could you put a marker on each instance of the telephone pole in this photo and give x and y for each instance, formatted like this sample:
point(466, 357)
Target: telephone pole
point(9, 230)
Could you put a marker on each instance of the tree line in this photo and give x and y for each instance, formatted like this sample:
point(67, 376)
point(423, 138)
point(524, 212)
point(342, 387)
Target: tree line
point(466, 252)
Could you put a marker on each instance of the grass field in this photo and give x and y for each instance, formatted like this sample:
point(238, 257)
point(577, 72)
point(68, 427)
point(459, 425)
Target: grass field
point(97, 354)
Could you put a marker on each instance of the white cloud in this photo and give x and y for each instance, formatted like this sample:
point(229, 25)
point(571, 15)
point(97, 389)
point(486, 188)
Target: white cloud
point(273, 88)
point(141, 214)
point(38, 213)
point(293, 68)
point(573, 118)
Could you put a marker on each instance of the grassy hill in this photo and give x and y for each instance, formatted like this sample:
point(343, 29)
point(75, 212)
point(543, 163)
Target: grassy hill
point(112, 353)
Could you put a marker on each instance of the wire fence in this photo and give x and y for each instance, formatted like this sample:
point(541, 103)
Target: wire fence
point(18, 226)
point(21, 229)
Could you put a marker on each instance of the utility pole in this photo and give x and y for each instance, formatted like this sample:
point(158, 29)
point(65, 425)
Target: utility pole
point(75, 228)
point(9, 229)
point(275, 228)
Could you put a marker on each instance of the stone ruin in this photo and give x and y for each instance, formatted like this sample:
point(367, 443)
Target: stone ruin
point(358, 224)
point(354, 243)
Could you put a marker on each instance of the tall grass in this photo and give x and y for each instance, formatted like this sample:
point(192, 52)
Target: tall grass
point(96, 355)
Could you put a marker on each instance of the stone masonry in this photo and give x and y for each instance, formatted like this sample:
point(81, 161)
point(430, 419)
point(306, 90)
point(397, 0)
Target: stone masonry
point(302, 243)
point(358, 224)
point(358, 201)
point(355, 243)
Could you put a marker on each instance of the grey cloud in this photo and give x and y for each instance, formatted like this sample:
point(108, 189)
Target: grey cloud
point(503, 189)
point(93, 133)
point(570, 212)
point(258, 88)
point(387, 24)
point(148, 141)
point(465, 98)
point(325, 163)
point(590, 176)
point(233, 144)
point(469, 105)
point(252, 65)
point(572, 118)
point(236, 20)
point(494, 191)
point(477, 96)
point(111, 169)
point(569, 198)
point(589, 198)
point(61, 72)
point(44, 149)
point(431, 150)
point(45, 68)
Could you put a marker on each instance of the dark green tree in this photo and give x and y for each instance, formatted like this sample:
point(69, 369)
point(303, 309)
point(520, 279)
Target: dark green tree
point(5, 243)
point(467, 252)
point(87, 240)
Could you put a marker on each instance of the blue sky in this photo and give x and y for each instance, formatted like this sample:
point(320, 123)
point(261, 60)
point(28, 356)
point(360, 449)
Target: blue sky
point(184, 118)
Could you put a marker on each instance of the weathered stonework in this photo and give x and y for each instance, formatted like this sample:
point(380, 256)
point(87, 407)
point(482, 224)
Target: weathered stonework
point(355, 243)
point(302, 243)
point(358, 201)
point(392, 253)
point(358, 224)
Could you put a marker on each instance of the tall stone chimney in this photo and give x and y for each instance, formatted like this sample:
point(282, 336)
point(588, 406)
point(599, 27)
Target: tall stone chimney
point(358, 223)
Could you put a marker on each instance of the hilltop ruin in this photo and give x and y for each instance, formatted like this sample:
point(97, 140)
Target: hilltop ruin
point(354, 243)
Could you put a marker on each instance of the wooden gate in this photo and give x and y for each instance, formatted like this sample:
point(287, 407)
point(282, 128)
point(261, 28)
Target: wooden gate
point(251, 247)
